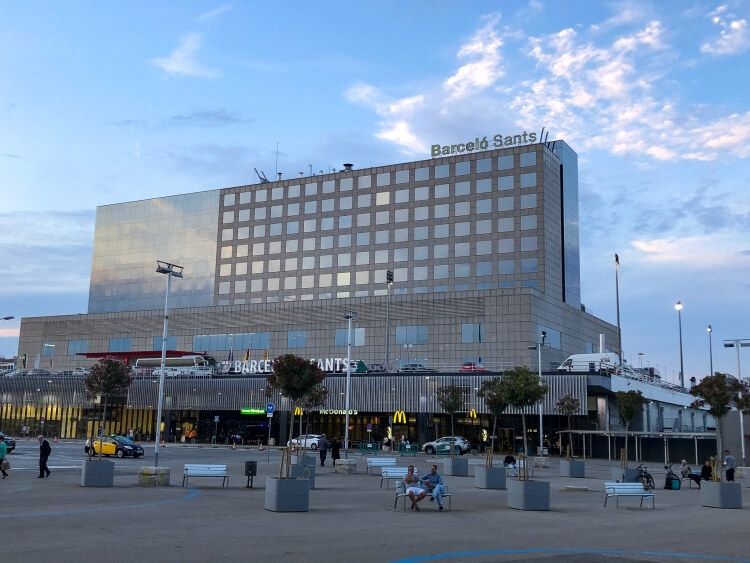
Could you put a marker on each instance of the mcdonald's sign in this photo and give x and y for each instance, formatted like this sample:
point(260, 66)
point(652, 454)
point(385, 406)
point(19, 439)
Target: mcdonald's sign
point(399, 417)
point(297, 411)
point(473, 413)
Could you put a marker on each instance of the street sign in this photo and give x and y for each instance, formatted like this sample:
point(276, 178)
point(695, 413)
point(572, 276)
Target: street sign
point(216, 418)
point(270, 407)
point(269, 414)
point(42, 420)
point(249, 410)
point(369, 427)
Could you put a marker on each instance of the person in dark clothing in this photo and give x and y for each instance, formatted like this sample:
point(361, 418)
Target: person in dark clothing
point(323, 449)
point(335, 450)
point(706, 472)
point(44, 451)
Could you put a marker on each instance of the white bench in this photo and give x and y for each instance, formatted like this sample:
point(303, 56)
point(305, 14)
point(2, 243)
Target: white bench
point(205, 470)
point(380, 462)
point(389, 474)
point(617, 490)
point(401, 494)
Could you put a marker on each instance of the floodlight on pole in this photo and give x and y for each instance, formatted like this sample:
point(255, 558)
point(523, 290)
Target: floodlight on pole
point(710, 332)
point(738, 343)
point(538, 348)
point(8, 318)
point(350, 316)
point(389, 283)
point(679, 307)
point(170, 270)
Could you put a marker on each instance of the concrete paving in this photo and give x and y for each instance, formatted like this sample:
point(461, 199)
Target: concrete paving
point(351, 518)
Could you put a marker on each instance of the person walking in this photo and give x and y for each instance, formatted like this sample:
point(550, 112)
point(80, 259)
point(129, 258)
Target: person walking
point(729, 463)
point(44, 451)
point(3, 452)
point(323, 449)
point(335, 450)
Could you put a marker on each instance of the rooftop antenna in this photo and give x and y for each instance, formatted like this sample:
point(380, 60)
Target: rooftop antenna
point(262, 176)
point(310, 165)
point(277, 158)
point(279, 174)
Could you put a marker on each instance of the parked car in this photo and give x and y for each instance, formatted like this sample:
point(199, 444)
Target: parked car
point(119, 446)
point(472, 367)
point(307, 441)
point(10, 442)
point(414, 367)
point(39, 372)
point(376, 368)
point(462, 445)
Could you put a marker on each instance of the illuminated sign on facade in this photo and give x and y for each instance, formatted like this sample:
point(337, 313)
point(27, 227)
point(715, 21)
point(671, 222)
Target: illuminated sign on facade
point(497, 141)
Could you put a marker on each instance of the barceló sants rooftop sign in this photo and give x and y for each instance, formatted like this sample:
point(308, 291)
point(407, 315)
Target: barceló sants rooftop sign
point(497, 141)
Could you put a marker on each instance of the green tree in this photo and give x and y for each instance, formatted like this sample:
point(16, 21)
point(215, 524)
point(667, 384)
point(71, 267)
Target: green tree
point(491, 392)
point(720, 393)
point(451, 400)
point(568, 405)
point(108, 380)
point(315, 399)
point(522, 388)
point(629, 404)
point(295, 378)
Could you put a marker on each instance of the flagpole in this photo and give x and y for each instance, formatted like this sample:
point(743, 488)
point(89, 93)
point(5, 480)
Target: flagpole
point(617, 296)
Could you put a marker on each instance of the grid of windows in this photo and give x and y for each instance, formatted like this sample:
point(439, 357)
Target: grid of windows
point(414, 334)
point(342, 337)
point(171, 343)
point(77, 347)
point(118, 345)
point(471, 333)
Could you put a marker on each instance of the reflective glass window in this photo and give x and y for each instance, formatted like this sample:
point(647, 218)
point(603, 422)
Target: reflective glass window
point(440, 251)
point(343, 278)
point(484, 165)
point(421, 252)
point(274, 247)
point(471, 333)
point(414, 334)
point(462, 229)
point(419, 273)
point(442, 171)
point(243, 215)
point(326, 243)
point(290, 283)
point(326, 261)
point(441, 231)
point(342, 337)
point(228, 217)
point(312, 224)
point(296, 339)
point(528, 265)
point(484, 185)
point(384, 178)
point(421, 194)
point(228, 200)
point(273, 284)
point(361, 278)
point(345, 241)
point(528, 222)
point(292, 245)
point(293, 191)
point(421, 174)
point(381, 256)
point(484, 268)
point(462, 188)
point(308, 262)
point(382, 217)
point(381, 237)
point(382, 198)
point(528, 201)
point(484, 247)
point(505, 183)
point(505, 162)
point(421, 213)
point(274, 265)
point(483, 227)
point(277, 211)
point(311, 207)
point(261, 196)
point(326, 224)
point(463, 168)
point(277, 193)
point(364, 181)
point(327, 205)
point(363, 200)
point(363, 239)
point(401, 196)
point(345, 202)
point(243, 233)
point(259, 231)
point(325, 280)
point(242, 250)
point(461, 209)
point(345, 184)
point(292, 209)
point(442, 190)
point(484, 206)
point(292, 227)
point(505, 245)
point(311, 189)
point(344, 260)
point(462, 249)
point(402, 176)
point(528, 180)
point(363, 220)
point(328, 186)
point(440, 272)
point(363, 258)
point(345, 222)
point(401, 255)
point(528, 244)
point(401, 215)
point(420, 233)
point(225, 270)
point(461, 270)
point(505, 203)
point(442, 211)
point(308, 244)
point(120, 344)
point(226, 251)
point(505, 225)
point(506, 266)
point(528, 159)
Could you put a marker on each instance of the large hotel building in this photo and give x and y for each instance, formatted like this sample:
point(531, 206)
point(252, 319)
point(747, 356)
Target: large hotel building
point(484, 252)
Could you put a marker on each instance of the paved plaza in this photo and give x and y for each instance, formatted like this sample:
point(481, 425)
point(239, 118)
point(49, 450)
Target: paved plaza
point(351, 518)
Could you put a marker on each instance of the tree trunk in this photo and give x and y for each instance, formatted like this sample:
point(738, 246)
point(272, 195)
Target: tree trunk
point(720, 448)
point(627, 427)
point(492, 442)
point(101, 431)
point(570, 437)
point(523, 425)
point(453, 439)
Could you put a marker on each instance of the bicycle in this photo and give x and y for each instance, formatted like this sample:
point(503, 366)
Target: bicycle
point(645, 478)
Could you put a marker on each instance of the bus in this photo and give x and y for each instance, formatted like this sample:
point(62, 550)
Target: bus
point(183, 366)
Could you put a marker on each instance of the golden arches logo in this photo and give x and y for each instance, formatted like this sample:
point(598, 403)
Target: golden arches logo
point(297, 411)
point(399, 417)
point(473, 413)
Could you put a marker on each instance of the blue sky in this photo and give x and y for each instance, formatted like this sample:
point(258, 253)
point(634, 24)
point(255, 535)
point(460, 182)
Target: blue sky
point(105, 102)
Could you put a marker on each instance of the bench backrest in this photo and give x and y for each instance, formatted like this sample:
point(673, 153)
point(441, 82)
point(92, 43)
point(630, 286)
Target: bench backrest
point(394, 471)
point(614, 487)
point(381, 461)
point(205, 468)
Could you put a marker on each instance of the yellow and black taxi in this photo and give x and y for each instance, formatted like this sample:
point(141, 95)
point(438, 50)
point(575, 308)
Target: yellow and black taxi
point(119, 446)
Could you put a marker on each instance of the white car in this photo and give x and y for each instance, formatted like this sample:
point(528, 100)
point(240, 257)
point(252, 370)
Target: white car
point(462, 445)
point(307, 441)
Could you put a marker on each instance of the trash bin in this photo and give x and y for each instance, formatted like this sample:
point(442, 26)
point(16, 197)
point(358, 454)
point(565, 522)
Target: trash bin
point(251, 470)
point(272, 442)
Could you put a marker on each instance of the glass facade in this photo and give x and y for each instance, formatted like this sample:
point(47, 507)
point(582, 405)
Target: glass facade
point(571, 251)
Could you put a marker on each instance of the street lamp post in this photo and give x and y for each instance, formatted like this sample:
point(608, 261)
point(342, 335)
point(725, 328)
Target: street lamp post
point(538, 347)
point(170, 270)
point(350, 316)
point(738, 343)
point(640, 361)
point(679, 307)
point(710, 332)
point(389, 282)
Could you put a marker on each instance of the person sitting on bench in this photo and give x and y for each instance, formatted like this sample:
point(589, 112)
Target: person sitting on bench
point(510, 461)
point(687, 472)
point(414, 489)
point(433, 482)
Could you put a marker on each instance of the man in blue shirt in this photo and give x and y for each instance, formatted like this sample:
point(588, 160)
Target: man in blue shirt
point(433, 483)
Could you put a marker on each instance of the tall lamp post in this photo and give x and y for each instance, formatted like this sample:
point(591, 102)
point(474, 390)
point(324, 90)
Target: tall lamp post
point(679, 307)
point(738, 343)
point(538, 347)
point(350, 316)
point(389, 281)
point(170, 270)
point(710, 332)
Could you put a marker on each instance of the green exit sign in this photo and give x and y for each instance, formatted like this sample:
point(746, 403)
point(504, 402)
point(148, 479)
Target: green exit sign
point(252, 411)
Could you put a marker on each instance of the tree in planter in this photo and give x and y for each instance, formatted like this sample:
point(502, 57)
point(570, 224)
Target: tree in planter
point(522, 388)
point(491, 392)
point(568, 405)
point(720, 393)
point(108, 379)
point(295, 378)
point(629, 404)
point(451, 400)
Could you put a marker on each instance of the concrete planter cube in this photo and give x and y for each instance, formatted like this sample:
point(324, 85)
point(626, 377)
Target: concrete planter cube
point(489, 477)
point(97, 473)
point(572, 468)
point(528, 495)
point(348, 466)
point(153, 477)
point(456, 467)
point(306, 460)
point(304, 472)
point(628, 475)
point(721, 495)
point(287, 495)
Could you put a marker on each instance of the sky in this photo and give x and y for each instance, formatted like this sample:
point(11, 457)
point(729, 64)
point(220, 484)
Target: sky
point(102, 103)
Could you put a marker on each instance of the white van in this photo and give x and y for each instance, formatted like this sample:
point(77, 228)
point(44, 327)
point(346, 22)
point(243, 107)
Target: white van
point(604, 364)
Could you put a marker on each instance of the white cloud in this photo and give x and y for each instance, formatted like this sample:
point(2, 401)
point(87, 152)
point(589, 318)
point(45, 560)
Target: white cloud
point(10, 332)
point(691, 252)
point(485, 66)
point(211, 14)
point(733, 37)
point(182, 61)
point(399, 132)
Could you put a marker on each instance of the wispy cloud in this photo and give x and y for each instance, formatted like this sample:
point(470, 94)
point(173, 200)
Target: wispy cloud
point(183, 62)
point(211, 14)
point(10, 155)
point(733, 36)
point(207, 118)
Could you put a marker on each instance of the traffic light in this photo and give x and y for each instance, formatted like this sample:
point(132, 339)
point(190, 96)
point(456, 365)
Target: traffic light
point(389, 276)
point(265, 355)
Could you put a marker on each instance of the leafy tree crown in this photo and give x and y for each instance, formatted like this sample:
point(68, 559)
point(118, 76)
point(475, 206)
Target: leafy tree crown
point(629, 403)
point(109, 378)
point(491, 392)
point(720, 393)
point(521, 387)
point(316, 398)
point(294, 377)
point(567, 405)
point(450, 398)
